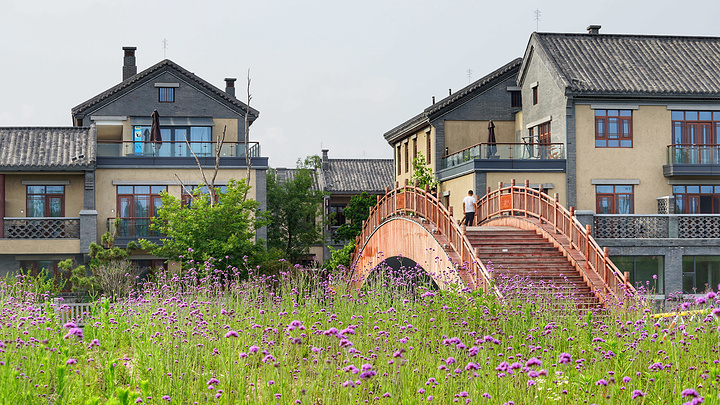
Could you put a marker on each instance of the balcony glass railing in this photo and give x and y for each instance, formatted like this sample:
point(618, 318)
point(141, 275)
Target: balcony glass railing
point(505, 151)
point(41, 228)
point(131, 227)
point(693, 154)
point(175, 149)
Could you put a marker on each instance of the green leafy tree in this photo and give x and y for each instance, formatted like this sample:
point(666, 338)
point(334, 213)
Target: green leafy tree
point(356, 212)
point(203, 231)
point(294, 210)
point(423, 173)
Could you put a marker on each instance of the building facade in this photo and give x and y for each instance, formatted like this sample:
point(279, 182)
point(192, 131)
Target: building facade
point(111, 177)
point(626, 129)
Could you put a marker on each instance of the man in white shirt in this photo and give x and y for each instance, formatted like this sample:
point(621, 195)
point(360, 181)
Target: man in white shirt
point(469, 203)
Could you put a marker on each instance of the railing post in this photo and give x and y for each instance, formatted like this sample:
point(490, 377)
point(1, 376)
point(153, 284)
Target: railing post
point(555, 214)
point(587, 246)
point(605, 266)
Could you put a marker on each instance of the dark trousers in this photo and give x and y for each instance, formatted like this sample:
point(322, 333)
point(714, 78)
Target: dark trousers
point(469, 217)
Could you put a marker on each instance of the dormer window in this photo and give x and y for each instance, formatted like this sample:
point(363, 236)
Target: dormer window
point(166, 92)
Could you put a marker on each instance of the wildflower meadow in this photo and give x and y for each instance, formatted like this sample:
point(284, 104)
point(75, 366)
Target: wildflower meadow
point(202, 336)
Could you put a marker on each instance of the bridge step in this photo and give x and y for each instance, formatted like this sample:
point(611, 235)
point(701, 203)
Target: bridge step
point(512, 252)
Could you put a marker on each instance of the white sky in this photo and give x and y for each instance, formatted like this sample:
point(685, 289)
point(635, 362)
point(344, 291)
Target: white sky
point(325, 73)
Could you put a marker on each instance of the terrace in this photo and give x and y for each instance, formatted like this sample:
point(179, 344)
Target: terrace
point(509, 156)
point(692, 160)
point(176, 153)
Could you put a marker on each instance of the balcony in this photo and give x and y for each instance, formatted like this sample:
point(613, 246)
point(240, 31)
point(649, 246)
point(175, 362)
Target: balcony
point(685, 226)
point(132, 229)
point(41, 228)
point(502, 157)
point(692, 160)
point(174, 153)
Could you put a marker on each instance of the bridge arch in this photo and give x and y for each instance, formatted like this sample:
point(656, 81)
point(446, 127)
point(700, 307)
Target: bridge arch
point(403, 272)
point(410, 238)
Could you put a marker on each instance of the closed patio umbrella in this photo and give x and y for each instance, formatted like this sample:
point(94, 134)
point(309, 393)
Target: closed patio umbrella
point(492, 142)
point(155, 135)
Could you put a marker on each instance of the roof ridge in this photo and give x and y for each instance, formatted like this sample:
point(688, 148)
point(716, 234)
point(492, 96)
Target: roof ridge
point(660, 36)
point(46, 127)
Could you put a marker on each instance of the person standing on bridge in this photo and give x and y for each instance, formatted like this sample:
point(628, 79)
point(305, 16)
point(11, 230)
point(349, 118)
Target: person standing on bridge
point(469, 202)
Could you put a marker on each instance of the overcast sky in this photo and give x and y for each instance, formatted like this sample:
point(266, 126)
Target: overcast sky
point(325, 73)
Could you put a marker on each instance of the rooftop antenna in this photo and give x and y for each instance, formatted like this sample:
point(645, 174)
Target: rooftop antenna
point(164, 46)
point(537, 19)
point(469, 73)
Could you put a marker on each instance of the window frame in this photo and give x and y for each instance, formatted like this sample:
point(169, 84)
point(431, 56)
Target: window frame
point(46, 197)
point(605, 119)
point(614, 198)
point(686, 275)
point(153, 198)
point(689, 198)
point(399, 159)
point(429, 149)
point(515, 99)
point(166, 94)
point(659, 281)
point(535, 95)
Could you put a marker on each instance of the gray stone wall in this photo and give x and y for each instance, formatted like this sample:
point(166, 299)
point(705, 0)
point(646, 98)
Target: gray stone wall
point(552, 102)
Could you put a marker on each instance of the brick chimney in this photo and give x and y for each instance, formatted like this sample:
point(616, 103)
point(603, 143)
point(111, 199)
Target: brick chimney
point(594, 29)
point(325, 159)
point(129, 66)
point(230, 86)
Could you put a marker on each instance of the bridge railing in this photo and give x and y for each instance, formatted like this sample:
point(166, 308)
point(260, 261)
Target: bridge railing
point(517, 200)
point(414, 201)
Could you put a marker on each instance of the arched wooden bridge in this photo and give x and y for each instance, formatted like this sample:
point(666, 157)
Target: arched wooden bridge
point(521, 232)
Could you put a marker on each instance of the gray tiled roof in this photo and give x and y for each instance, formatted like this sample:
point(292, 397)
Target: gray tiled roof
point(358, 175)
point(47, 148)
point(628, 64)
point(478, 86)
point(282, 175)
point(163, 65)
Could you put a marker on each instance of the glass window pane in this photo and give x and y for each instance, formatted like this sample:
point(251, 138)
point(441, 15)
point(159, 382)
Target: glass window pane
point(613, 127)
point(624, 205)
point(716, 116)
point(55, 190)
point(36, 189)
point(705, 116)
point(142, 189)
point(625, 113)
point(626, 143)
point(623, 189)
point(125, 209)
point(688, 281)
point(693, 189)
point(54, 207)
point(604, 205)
point(678, 115)
point(599, 113)
point(678, 189)
point(612, 113)
point(691, 115)
point(142, 206)
point(604, 189)
point(650, 273)
point(678, 133)
point(706, 189)
point(125, 189)
point(613, 143)
point(707, 272)
point(158, 189)
point(599, 143)
point(35, 206)
point(600, 128)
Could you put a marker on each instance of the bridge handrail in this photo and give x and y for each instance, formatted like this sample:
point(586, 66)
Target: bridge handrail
point(410, 199)
point(525, 201)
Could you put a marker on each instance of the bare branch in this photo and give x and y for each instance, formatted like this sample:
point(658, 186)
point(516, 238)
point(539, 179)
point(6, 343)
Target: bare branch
point(218, 148)
point(192, 195)
point(211, 187)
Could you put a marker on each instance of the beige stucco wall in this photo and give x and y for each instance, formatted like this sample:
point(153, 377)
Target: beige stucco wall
point(651, 134)
point(231, 129)
point(16, 192)
point(106, 192)
point(464, 134)
point(44, 247)
point(557, 180)
point(518, 126)
point(420, 136)
point(458, 188)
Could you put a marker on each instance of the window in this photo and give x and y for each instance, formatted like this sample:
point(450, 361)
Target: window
point(614, 199)
point(399, 161)
point(337, 218)
point(696, 135)
point(544, 133)
point(613, 128)
point(53, 272)
point(136, 206)
point(697, 199)
point(429, 149)
point(538, 141)
point(700, 273)
point(414, 148)
point(407, 158)
point(166, 94)
point(173, 142)
point(646, 272)
point(535, 95)
point(45, 201)
point(516, 99)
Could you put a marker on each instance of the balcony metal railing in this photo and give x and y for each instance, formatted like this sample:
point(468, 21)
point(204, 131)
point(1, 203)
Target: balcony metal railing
point(175, 149)
point(693, 154)
point(131, 227)
point(41, 228)
point(506, 151)
point(690, 226)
